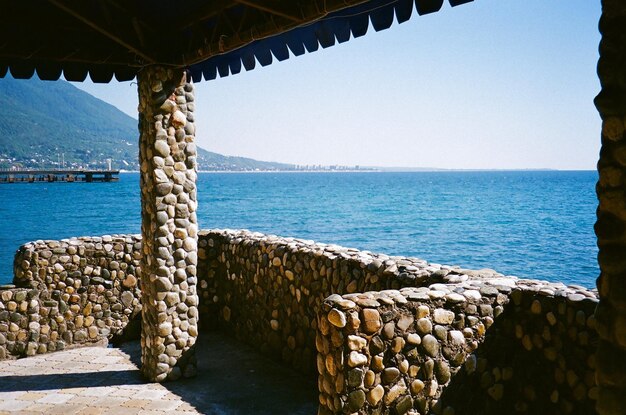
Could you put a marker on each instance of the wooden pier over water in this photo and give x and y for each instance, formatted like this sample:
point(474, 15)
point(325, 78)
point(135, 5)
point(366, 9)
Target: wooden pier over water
point(57, 175)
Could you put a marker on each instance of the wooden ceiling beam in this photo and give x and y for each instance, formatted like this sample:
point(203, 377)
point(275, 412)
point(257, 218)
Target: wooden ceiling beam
point(51, 58)
point(259, 28)
point(53, 47)
point(122, 31)
point(103, 31)
point(139, 32)
point(255, 4)
point(142, 29)
point(209, 10)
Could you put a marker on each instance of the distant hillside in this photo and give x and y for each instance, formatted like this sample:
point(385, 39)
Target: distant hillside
point(42, 121)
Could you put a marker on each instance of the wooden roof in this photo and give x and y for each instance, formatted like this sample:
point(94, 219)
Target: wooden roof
point(115, 38)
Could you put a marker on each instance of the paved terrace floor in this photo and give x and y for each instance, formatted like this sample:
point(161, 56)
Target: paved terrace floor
point(232, 379)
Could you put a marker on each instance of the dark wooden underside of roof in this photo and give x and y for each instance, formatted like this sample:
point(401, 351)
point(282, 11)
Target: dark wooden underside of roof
point(115, 38)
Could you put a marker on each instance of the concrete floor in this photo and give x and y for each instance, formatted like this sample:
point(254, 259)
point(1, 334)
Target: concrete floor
point(232, 379)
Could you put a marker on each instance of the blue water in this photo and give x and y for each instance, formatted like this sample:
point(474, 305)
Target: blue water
point(530, 224)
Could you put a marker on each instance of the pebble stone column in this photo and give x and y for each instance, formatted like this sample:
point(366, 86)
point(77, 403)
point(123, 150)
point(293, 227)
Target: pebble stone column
point(611, 223)
point(169, 226)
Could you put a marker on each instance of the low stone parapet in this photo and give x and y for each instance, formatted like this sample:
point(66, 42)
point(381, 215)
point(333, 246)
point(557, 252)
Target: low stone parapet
point(482, 346)
point(267, 290)
point(71, 292)
point(385, 334)
point(512, 345)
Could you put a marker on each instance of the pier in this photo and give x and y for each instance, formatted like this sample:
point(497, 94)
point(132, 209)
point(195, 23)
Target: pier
point(57, 175)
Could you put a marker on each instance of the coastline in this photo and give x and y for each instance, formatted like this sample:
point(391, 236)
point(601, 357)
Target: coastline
point(274, 171)
point(383, 170)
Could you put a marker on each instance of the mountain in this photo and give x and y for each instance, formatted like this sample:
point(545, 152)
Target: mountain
point(44, 124)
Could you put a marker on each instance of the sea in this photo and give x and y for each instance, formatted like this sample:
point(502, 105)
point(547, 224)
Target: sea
point(529, 224)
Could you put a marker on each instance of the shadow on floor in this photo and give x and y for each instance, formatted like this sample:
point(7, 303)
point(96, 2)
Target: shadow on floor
point(41, 382)
point(234, 379)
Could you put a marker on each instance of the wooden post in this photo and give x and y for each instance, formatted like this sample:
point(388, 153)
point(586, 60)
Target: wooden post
point(169, 226)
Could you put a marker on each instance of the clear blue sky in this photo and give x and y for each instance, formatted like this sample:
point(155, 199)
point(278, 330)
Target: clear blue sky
point(489, 84)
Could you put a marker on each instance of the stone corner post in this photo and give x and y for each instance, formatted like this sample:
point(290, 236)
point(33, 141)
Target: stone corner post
point(167, 157)
point(611, 223)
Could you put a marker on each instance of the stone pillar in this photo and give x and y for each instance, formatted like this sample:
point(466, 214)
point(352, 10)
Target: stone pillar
point(611, 223)
point(169, 227)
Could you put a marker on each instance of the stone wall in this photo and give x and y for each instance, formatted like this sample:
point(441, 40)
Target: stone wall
point(70, 292)
point(611, 224)
point(268, 290)
point(384, 334)
point(523, 345)
point(484, 346)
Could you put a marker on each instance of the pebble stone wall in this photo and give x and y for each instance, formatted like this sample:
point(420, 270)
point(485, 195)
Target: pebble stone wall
point(611, 224)
point(70, 292)
point(268, 290)
point(167, 156)
point(482, 346)
point(404, 330)
point(386, 335)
